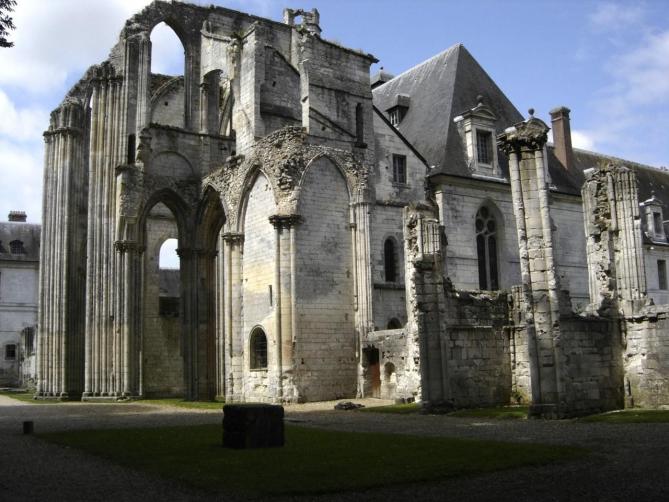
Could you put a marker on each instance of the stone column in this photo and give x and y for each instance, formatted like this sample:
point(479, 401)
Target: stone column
point(232, 308)
point(61, 287)
point(285, 311)
point(524, 144)
point(364, 318)
point(616, 266)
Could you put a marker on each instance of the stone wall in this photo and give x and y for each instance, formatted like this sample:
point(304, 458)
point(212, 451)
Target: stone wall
point(325, 343)
point(257, 287)
point(162, 357)
point(646, 358)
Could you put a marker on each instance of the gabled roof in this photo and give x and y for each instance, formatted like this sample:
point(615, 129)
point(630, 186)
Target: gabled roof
point(439, 90)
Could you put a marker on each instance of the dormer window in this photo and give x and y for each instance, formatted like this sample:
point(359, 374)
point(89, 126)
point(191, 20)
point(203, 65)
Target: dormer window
point(398, 109)
point(396, 115)
point(654, 219)
point(484, 146)
point(16, 247)
point(477, 130)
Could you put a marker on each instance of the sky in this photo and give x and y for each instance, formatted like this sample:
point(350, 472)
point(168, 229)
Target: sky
point(608, 61)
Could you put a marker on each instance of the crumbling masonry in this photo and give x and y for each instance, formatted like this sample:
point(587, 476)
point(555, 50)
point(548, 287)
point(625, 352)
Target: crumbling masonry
point(327, 248)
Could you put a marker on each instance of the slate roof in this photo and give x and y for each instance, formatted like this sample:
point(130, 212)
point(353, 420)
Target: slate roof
point(27, 233)
point(440, 89)
point(447, 85)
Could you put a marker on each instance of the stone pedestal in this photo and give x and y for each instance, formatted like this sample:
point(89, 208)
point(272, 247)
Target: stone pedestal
point(252, 425)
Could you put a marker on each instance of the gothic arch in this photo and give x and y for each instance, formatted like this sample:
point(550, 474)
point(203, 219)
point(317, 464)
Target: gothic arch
point(210, 218)
point(249, 182)
point(175, 204)
point(350, 183)
point(489, 240)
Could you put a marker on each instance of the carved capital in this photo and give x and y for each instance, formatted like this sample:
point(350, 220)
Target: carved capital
point(126, 246)
point(187, 253)
point(280, 221)
point(233, 238)
point(530, 135)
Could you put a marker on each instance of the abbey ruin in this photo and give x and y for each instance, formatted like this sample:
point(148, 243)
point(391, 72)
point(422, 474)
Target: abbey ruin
point(410, 237)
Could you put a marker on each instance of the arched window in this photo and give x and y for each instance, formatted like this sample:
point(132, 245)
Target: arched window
point(486, 249)
point(394, 323)
point(390, 260)
point(258, 346)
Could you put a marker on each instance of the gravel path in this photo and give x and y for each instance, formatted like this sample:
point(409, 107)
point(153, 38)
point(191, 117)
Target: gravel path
point(629, 462)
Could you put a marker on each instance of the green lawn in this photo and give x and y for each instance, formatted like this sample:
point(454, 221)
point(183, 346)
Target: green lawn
point(631, 416)
point(312, 461)
point(399, 409)
point(499, 412)
point(180, 403)
point(27, 397)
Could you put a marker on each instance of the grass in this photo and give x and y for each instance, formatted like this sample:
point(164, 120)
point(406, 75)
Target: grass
point(631, 416)
point(499, 412)
point(27, 397)
point(399, 409)
point(313, 460)
point(180, 403)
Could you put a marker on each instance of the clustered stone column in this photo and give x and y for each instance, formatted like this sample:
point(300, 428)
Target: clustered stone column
point(362, 276)
point(285, 311)
point(613, 231)
point(62, 258)
point(524, 144)
point(232, 309)
point(106, 152)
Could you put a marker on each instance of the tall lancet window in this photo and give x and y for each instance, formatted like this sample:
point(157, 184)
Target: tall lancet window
point(486, 249)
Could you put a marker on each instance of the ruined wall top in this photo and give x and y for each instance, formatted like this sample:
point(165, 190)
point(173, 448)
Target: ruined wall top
point(530, 134)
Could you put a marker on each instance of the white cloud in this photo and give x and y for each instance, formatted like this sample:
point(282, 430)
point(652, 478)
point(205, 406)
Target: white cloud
point(21, 124)
point(582, 139)
point(611, 16)
point(54, 39)
point(21, 179)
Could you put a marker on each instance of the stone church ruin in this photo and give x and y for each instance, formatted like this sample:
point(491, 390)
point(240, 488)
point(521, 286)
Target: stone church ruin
point(410, 237)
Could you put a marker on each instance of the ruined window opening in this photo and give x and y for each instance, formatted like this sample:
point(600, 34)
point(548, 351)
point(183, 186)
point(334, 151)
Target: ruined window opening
point(394, 323)
point(389, 260)
point(359, 126)
point(662, 274)
point(484, 147)
point(399, 169)
point(16, 247)
point(29, 341)
point(169, 301)
point(168, 77)
point(10, 352)
point(258, 344)
point(131, 149)
point(486, 249)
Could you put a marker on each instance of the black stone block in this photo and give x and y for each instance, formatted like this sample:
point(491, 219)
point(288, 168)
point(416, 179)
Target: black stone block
point(252, 425)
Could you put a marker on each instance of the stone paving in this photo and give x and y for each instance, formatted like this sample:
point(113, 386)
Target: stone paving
point(629, 462)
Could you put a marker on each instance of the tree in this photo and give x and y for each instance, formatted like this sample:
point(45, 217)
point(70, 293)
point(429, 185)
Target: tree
point(6, 23)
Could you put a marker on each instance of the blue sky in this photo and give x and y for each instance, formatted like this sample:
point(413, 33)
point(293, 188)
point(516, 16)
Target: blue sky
point(608, 61)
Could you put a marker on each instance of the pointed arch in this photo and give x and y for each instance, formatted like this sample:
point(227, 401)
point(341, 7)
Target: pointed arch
point(210, 218)
point(342, 172)
point(175, 204)
point(488, 230)
point(247, 187)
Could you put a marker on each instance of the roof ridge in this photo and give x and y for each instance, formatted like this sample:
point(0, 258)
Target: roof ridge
point(450, 49)
point(613, 157)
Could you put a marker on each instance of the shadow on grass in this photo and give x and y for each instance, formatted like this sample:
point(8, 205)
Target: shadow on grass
point(180, 403)
point(631, 416)
point(500, 412)
point(313, 460)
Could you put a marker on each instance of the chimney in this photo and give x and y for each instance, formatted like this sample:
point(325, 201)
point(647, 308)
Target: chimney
point(19, 216)
point(562, 136)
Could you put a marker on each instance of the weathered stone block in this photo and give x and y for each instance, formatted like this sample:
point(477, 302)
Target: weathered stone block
point(252, 425)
